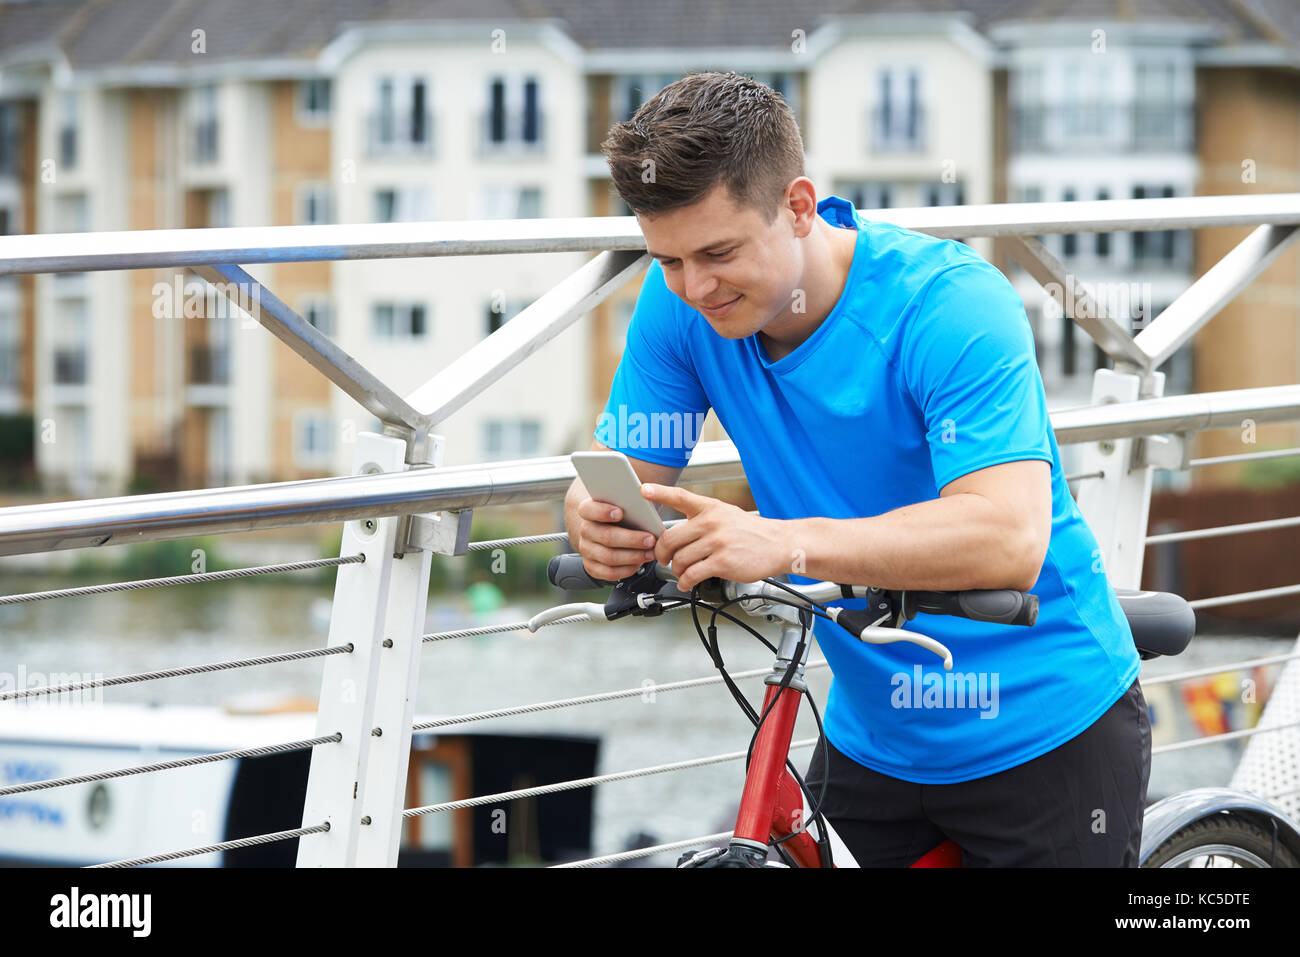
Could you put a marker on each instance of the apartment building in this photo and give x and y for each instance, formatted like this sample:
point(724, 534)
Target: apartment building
point(141, 114)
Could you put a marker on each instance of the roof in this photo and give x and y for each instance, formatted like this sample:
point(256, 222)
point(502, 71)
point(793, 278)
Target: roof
point(101, 33)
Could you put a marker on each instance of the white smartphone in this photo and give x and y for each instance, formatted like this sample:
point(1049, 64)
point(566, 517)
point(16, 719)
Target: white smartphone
point(609, 477)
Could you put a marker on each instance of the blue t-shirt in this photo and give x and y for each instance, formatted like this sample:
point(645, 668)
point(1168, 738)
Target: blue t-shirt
point(923, 372)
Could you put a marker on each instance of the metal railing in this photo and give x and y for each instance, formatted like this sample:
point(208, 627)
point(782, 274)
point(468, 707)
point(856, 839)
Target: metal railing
point(400, 506)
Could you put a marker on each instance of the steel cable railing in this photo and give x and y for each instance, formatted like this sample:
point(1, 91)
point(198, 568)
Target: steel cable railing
point(597, 698)
point(223, 846)
point(193, 578)
point(255, 752)
point(177, 672)
point(587, 782)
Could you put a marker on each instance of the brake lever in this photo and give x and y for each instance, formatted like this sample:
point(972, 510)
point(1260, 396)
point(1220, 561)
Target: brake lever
point(589, 608)
point(882, 636)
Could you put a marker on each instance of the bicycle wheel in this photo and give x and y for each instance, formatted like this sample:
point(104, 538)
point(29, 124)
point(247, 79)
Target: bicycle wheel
point(1222, 840)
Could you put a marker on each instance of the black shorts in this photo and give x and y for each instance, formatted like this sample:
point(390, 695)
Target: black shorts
point(1079, 805)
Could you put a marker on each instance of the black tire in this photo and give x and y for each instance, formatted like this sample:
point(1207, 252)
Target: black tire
point(1224, 836)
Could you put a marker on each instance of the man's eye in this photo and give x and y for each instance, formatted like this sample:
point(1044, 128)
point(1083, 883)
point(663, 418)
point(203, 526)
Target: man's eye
point(720, 255)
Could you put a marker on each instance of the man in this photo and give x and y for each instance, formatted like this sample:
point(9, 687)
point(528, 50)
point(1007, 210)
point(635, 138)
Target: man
point(882, 391)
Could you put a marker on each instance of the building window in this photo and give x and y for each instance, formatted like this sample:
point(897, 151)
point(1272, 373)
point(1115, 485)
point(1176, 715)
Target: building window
point(401, 121)
point(1101, 241)
point(399, 321)
point(898, 118)
point(313, 439)
point(68, 124)
point(1168, 238)
point(945, 194)
point(403, 204)
point(1084, 111)
point(71, 213)
point(868, 195)
point(319, 315)
point(218, 207)
point(9, 143)
point(1162, 120)
point(313, 102)
point(514, 120)
point(10, 339)
point(1028, 115)
point(314, 204)
point(1067, 345)
point(511, 438)
point(70, 335)
point(499, 312)
point(511, 202)
point(633, 89)
point(1069, 241)
point(1168, 247)
point(203, 105)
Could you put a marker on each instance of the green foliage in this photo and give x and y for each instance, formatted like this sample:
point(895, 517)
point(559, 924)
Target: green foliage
point(141, 484)
point(517, 569)
point(1271, 473)
point(150, 559)
point(17, 438)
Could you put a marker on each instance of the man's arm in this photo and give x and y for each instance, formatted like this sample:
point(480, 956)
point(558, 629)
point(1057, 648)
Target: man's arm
point(609, 551)
point(988, 529)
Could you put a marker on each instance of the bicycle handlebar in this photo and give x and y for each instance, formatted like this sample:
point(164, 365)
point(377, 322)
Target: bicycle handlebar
point(998, 606)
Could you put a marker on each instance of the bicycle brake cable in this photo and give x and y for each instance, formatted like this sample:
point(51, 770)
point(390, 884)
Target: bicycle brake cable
point(814, 803)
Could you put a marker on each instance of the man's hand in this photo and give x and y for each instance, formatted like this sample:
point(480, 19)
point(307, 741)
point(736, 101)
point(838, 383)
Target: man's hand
point(718, 540)
point(609, 551)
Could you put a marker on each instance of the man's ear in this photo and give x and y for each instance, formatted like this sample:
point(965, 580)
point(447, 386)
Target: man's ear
point(801, 201)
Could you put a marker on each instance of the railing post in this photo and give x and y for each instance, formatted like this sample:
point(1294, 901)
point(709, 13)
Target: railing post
point(340, 784)
point(1115, 505)
point(383, 798)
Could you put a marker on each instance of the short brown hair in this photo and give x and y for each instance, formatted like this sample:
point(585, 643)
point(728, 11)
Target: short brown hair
point(705, 129)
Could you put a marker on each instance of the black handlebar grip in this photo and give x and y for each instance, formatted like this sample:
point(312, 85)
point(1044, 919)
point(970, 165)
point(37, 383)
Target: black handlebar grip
point(566, 571)
point(1001, 606)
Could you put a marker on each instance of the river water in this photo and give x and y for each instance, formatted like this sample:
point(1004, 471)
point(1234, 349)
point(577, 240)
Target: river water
point(150, 629)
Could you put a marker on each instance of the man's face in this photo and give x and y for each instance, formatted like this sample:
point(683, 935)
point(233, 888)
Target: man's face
point(716, 252)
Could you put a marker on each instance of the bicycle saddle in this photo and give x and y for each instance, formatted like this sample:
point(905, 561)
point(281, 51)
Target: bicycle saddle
point(1162, 623)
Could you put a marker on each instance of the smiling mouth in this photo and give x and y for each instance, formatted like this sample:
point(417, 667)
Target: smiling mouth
point(720, 305)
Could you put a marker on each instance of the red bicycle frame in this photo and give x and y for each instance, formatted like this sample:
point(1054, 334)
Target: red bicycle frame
point(772, 804)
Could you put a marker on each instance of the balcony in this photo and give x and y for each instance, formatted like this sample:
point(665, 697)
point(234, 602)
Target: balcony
point(391, 135)
point(1095, 126)
point(1163, 127)
point(897, 131)
point(503, 133)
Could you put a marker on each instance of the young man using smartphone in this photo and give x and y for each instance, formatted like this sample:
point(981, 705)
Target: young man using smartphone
point(882, 391)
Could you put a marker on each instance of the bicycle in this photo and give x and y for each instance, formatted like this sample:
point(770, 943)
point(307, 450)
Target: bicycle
point(777, 812)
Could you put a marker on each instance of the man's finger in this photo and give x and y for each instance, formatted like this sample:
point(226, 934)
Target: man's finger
point(688, 503)
point(696, 573)
point(617, 536)
point(594, 511)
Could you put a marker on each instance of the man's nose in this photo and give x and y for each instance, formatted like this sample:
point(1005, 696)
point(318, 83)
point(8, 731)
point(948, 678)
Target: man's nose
point(699, 283)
